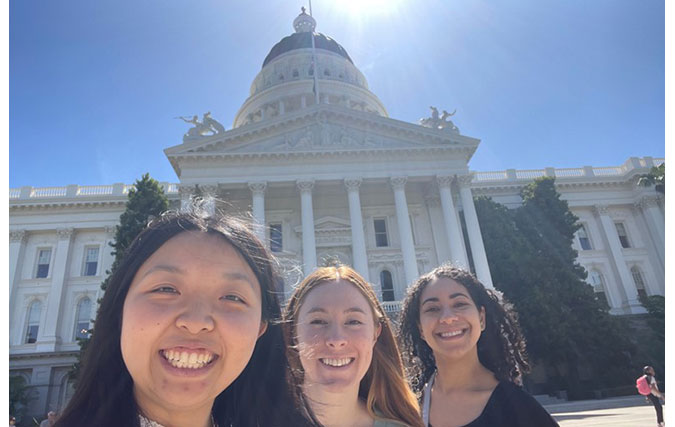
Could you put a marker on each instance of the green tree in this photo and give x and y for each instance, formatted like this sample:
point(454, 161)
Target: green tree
point(655, 177)
point(145, 201)
point(532, 262)
point(19, 396)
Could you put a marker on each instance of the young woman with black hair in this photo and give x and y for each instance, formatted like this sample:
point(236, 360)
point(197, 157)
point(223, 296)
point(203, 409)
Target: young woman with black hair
point(187, 334)
point(466, 354)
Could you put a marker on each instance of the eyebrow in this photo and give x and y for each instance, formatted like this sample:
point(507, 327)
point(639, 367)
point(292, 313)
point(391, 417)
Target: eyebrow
point(177, 270)
point(348, 310)
point(455, 295)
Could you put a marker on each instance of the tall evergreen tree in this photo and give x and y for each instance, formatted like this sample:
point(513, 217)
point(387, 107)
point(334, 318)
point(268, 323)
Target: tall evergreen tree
point(145, 201)
point(533, 263)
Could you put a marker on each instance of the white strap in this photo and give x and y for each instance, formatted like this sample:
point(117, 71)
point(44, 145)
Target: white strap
point(426, 399)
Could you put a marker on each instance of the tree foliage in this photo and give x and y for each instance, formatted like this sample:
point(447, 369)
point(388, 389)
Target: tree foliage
point(19, 396)
point(145, 201)
point(533, 263)
point(655, 177)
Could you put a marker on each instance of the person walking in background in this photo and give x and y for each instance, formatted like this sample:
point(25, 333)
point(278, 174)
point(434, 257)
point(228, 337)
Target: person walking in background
point(466, 353)
point(655, 395)
point(50, 421)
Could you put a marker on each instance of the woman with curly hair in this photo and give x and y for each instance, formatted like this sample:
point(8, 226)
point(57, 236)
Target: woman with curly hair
point(343, 354)
point(466, 354)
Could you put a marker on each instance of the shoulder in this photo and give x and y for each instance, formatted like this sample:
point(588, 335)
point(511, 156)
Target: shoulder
point(519, 406)
point(388, 423)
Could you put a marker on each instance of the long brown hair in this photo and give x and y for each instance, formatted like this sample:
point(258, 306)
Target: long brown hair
point(384, 387)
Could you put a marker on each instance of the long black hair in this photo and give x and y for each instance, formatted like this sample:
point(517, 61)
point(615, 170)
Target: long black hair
point(260, 396)
point(501, 347)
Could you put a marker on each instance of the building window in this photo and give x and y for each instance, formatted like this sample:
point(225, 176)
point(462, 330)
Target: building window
point(387, 286)
point(639, 281)
point(90, 266)
point(296, 74)
point(44, 256)
point(598, 282)
point(584, 241)
point(623, 236)
point(381, 237)
point(276, 237)
point(33, 322)
point(82, 316)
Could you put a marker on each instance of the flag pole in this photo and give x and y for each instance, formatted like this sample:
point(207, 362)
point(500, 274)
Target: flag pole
point(314, 62)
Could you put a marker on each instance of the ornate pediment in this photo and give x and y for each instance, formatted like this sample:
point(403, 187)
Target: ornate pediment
point(324, 131)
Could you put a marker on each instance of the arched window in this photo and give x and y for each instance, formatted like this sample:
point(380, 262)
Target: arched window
point(639, 280)
point(33, 321)
point(387, 286)
point(598, 282)
point(82, 316)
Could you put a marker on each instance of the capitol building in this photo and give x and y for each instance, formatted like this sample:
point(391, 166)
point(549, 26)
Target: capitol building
point(313, 156)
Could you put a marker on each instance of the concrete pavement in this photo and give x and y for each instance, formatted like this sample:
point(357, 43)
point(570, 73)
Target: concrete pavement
point(630, 411)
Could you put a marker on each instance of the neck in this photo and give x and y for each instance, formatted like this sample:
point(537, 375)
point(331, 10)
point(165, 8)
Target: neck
point(190, 417)
point(337, 408)
point(463, 373)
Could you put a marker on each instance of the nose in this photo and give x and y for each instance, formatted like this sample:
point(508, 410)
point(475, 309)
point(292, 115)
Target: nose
point(195, 318)
point(336, 337)
point(448, 315)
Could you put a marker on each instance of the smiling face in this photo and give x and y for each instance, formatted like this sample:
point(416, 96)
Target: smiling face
point(190, 322)
point(450, 322)
point(336, 334)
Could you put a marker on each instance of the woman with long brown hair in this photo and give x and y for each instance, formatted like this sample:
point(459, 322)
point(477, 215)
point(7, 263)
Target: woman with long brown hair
point(343, 354)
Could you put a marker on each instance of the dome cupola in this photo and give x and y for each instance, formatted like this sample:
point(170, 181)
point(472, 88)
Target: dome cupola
point(287, 82)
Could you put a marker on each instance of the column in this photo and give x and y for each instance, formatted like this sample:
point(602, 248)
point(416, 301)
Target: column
point(452, 228)
point(473, 228)
point(185, 192)
point(210, 194)
point(655, 221)
point(17, 249)
point(625, 278)
point(359, 255)
point(308, 239)
point(404, 230)
point(50, 338)
point(258, 207)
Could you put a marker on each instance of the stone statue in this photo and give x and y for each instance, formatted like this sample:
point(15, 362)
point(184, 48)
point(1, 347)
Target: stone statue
point(213, 124)
point(439, 122)
point(207, 127)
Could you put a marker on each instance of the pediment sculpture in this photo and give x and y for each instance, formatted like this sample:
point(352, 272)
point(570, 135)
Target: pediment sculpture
point(207, 127)
point(441, 122)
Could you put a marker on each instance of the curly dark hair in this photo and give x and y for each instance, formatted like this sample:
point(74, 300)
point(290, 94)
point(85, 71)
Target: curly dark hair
point(501, 347)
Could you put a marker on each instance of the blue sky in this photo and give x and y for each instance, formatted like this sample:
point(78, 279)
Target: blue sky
point(95, 85)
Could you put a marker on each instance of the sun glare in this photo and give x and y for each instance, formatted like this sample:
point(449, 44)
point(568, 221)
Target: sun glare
point(357, 8)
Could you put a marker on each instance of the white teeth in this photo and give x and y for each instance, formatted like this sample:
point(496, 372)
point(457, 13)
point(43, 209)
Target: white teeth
point(337, 362)
point(451, 334)
point(186, 359)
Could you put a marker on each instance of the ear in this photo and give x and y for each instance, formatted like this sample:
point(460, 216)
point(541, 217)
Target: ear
point(378, 331)
point(263, 328)
point(482, 319)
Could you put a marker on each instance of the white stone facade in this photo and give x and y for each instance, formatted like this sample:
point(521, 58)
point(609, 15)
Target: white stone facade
point(336, 179)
